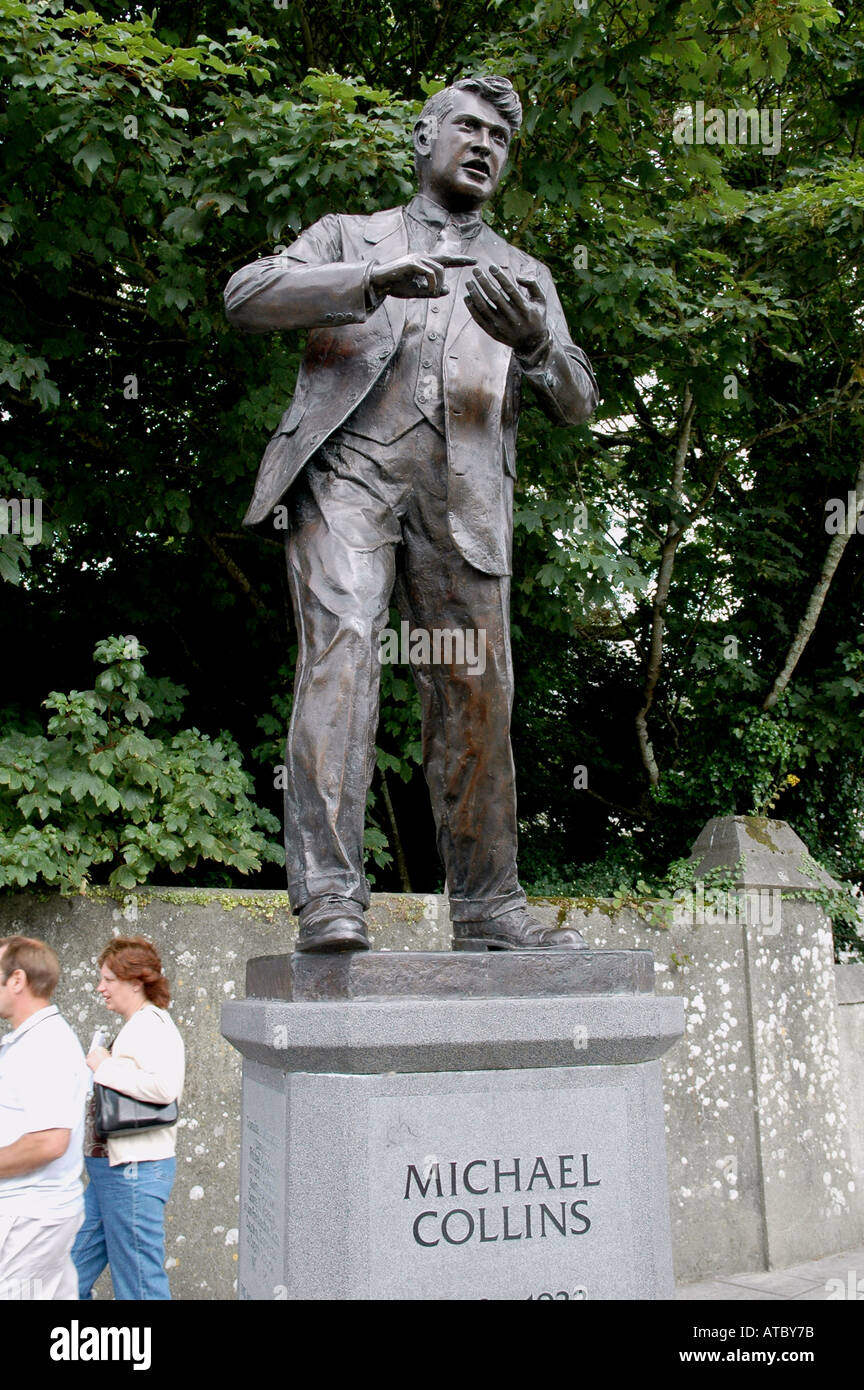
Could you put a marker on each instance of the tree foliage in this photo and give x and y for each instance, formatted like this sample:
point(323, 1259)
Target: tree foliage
point(667, 555)
point(97, 799)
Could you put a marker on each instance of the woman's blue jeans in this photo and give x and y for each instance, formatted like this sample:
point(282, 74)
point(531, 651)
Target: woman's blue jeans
point(124, 1227)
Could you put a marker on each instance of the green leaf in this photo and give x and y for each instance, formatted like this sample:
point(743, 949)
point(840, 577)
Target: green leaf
point(94, 153)
point(591, 101)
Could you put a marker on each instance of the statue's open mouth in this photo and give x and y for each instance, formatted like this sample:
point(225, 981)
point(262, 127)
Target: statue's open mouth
point(477, 167)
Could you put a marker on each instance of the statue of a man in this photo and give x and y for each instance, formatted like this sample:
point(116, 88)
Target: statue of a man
point(395, 467)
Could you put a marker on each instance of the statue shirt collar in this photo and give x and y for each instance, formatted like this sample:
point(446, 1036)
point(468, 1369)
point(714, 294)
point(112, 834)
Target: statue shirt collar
point(431, 214)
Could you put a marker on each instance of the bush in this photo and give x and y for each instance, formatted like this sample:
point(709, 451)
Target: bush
point(98, 798)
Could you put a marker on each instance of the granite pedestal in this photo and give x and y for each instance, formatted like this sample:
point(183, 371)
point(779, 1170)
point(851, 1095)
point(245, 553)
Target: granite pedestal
point(454, 1126)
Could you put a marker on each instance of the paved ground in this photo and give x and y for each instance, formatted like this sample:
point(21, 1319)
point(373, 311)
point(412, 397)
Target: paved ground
point(804, 1283)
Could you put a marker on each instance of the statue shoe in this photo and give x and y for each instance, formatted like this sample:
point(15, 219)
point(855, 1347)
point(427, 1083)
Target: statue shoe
point(332, 924)
point(516, 930)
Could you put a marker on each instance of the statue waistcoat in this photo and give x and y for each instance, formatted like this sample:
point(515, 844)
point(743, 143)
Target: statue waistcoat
point(412, 387)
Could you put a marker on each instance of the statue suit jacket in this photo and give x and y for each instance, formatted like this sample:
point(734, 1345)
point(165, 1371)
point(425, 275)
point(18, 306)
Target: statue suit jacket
point(320, 283)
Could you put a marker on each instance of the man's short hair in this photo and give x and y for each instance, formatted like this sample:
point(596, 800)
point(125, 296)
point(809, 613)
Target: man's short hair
point(498, 91)
point(35, 958)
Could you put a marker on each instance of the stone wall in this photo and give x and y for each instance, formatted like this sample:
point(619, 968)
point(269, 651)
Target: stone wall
point(850, 1013)
point(764, 1094)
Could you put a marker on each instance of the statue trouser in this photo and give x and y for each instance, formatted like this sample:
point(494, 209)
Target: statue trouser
point(360, 526)
point(369, 526)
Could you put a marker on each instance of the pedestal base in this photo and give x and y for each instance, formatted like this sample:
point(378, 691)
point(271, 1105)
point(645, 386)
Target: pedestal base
point(400, 1142)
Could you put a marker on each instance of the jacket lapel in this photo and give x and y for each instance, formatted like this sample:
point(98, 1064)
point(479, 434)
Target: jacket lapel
point(390, 239)
point(459, 315)
point(495, 357)
point(487, 251)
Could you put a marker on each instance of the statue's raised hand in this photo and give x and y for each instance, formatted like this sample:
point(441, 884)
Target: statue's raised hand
point(415, 276)
point(511, 311)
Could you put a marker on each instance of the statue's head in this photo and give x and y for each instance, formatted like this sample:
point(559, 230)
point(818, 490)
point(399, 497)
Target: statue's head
point(462, 138)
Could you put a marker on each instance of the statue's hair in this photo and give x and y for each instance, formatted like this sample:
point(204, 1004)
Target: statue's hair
point(498, 91)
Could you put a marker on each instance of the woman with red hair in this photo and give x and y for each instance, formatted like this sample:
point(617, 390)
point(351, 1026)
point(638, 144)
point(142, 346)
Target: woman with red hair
point(131, 1175)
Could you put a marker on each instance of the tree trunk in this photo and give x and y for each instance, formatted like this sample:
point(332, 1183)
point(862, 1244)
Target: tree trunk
point(674, 535)
point(817, 599)
point(401, 861)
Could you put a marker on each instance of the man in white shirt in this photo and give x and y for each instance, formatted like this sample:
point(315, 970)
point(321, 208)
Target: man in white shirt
point(43, 1088)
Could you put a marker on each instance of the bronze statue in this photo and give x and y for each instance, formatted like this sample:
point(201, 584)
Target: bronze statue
point(395, 466)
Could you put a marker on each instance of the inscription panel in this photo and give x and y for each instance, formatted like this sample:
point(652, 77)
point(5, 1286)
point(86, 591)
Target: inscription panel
point(515, 1195)
point(261, 1255)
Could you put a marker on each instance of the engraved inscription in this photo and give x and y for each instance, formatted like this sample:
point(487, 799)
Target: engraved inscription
point(262, 1205)
point(520, 1193)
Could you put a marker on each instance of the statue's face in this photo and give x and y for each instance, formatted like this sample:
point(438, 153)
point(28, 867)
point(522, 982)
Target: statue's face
point(466, 159)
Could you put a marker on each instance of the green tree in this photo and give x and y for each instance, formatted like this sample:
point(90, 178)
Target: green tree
point(97, 799)
point(670, 560)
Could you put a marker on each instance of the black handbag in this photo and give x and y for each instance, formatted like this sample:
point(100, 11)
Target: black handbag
point(115, 1113)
